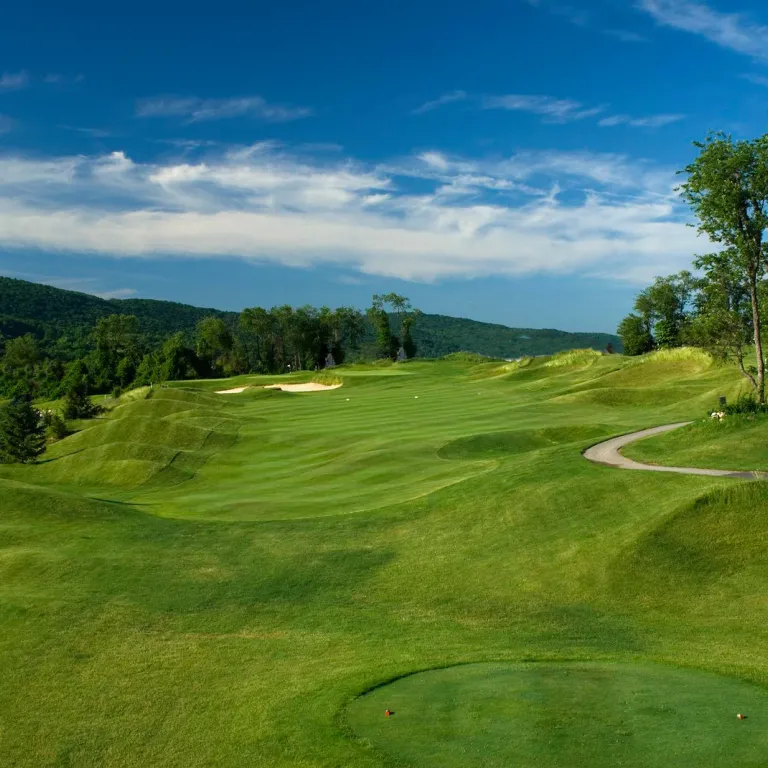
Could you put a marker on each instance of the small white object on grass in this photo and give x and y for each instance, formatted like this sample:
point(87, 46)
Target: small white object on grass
point(415, 397)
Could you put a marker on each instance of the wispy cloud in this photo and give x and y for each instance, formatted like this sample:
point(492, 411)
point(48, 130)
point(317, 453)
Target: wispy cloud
point(118, 293)
point(471, 217)
point(651, 121)
point(12, 81)
point(6, 124)
point(96, 133)
point(446, 98)
point(552, 109)
point(56, 78)
point(198, 110)
point(757, 79)
point(734, 31)
point(576, 16)
point(625, 36)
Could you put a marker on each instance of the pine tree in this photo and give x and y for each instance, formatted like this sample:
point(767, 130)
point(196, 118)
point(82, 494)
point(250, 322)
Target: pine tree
point(22, 434)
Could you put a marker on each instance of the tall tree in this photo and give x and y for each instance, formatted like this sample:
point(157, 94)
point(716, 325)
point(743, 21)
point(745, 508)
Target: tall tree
point(727, 189)
point(635, 335)
point(214, 342)
point(22, 434)
point(722, 321)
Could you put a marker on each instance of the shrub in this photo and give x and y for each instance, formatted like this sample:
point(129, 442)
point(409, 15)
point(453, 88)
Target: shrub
point(56, 428)
point(22, 435)
point(77, 405)
point(745, 403)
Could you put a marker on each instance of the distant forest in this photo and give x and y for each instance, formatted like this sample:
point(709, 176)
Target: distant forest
point(54, 336)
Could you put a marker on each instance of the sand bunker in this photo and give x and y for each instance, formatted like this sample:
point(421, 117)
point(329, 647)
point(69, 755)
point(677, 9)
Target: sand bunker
point(235, 391)
point(309, 387)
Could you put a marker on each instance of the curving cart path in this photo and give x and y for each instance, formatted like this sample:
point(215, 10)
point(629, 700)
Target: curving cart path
point(608, 453)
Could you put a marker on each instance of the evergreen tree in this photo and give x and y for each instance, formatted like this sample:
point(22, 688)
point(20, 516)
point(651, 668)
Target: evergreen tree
point(22, 434)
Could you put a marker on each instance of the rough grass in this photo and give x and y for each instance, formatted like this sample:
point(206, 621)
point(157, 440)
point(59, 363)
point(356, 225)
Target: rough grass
point(298, 551)
point(573, 357)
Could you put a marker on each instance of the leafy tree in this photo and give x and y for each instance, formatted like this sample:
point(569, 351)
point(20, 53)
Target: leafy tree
point(118, 351)
point(22, 353)
point(22, 435)
point(635, 335)
point(722, 323)
point(727, 189)
point(663, 308)
point(77, 404)
point(214, 342)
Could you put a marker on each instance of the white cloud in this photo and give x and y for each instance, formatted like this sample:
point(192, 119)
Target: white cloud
point(198, 110)
point(728, 30)
point(10, 81)
point(651, 121)
point(446, 98)
point(541, 212)
point(552, 109)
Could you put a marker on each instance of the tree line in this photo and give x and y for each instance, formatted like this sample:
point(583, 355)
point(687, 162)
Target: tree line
point(721, 306)
point(269, 341)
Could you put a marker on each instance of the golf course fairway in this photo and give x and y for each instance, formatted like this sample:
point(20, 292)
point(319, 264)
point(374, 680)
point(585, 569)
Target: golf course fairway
point(561, 715)
point(196, 579)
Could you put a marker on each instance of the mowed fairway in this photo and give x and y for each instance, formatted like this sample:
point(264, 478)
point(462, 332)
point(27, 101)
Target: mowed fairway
point(228, 580)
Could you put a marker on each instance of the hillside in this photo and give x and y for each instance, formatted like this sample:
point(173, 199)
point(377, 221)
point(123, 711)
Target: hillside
point(257, 578)
point(52, 313)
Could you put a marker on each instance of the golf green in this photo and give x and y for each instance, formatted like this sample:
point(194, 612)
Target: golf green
point(553, 715)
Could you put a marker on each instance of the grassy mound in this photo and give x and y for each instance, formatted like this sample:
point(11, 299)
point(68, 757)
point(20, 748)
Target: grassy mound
point(163, 440)
point(738, 442)
point(629, 396)
point(497, 445)
point(564, 715)
point(713, 549)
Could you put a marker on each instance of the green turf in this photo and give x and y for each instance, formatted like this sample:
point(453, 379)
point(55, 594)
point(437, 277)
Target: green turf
point(200, 579)
point(561, 715)
point(738, 442)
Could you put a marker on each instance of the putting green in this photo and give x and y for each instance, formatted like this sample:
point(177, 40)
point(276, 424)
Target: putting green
point(553, 715)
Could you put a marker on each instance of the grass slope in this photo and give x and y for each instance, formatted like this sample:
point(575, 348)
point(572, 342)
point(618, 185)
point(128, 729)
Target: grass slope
point(312, 546)
point(738, 442)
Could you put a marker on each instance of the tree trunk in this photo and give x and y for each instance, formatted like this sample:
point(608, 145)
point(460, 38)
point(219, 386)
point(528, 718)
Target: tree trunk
point(758, 341)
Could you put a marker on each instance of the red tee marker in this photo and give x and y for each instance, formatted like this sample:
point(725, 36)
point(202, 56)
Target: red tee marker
point(387, 713)
point(740, 716)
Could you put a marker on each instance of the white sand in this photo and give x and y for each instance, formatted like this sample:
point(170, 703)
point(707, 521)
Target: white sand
point(235, 391)
point(310, 387)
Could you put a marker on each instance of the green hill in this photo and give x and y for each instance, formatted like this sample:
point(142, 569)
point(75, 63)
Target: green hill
point(198, 579)
point(53, 314)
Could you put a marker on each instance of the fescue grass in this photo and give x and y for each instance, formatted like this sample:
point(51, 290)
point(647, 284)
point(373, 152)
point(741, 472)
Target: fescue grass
point(200, 579)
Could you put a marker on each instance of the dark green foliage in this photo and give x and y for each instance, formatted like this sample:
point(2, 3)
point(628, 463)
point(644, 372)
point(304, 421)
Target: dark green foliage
point(635, 336)
point(77, 404)
point(727, 189)
point(58, 339)
point(22, 434)
point(745, 403)
point(55, 426)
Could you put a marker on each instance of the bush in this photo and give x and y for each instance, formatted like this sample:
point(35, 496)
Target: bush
point(22, 435)
point(55, 428)
point(745, 403)
point(78, 405)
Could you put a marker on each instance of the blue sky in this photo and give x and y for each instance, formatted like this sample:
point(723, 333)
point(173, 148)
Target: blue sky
point(507, 160)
